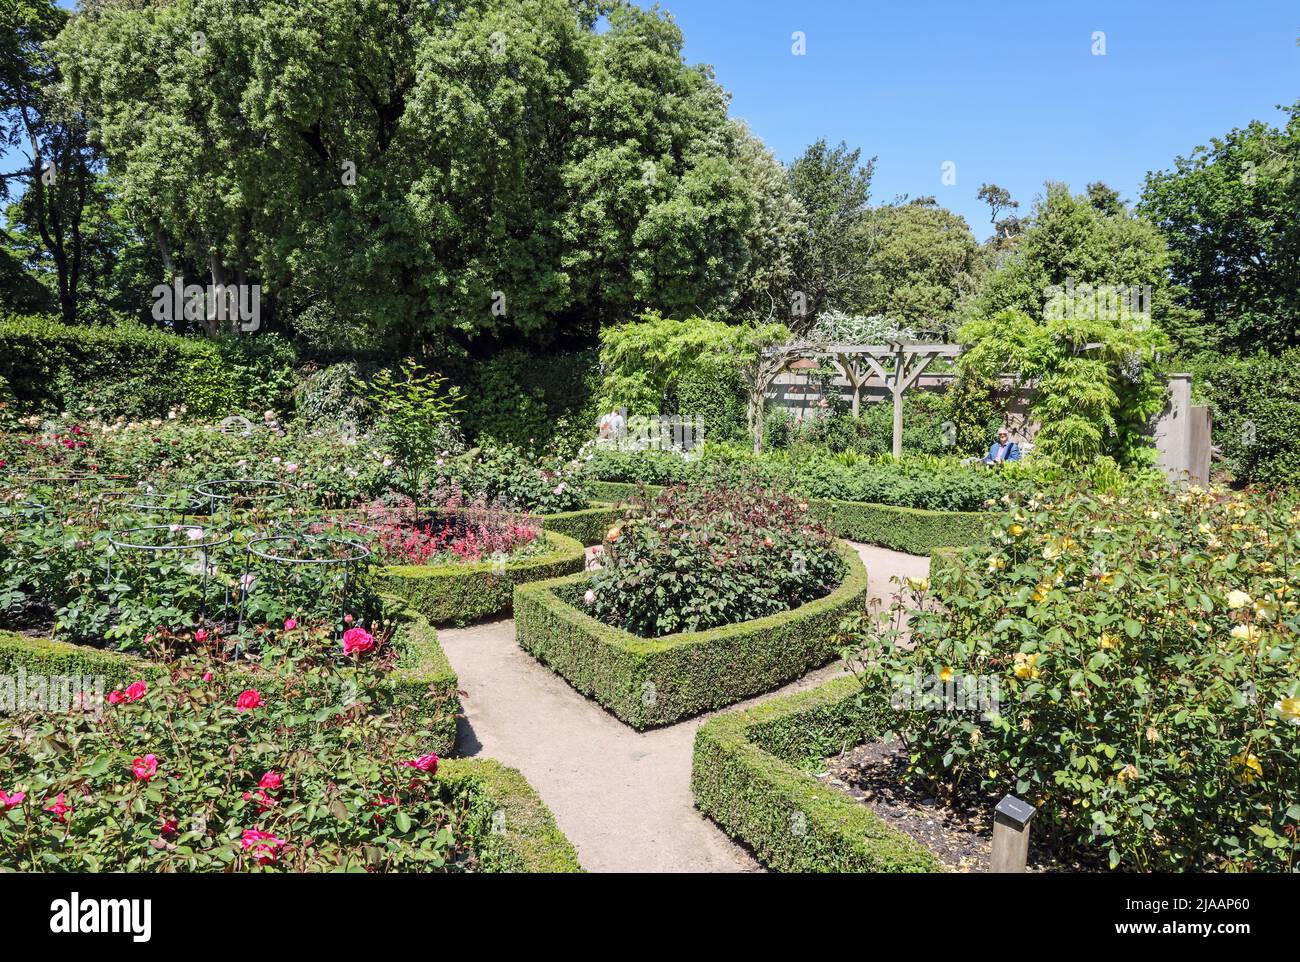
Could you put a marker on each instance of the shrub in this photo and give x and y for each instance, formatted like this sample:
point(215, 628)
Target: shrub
point(413, 415)
point(690, 559)
point(751, 772)
point(139, 372)
point(1254, 402)
point(510, 477)
point(942, 484)
point(1145, 650)
point(532, 401)
point(178, 774)
point(657, 681)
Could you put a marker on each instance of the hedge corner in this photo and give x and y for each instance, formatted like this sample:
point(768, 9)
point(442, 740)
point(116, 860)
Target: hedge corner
point(749, 773)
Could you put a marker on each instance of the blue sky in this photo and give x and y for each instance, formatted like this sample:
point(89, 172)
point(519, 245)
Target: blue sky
point(1008, 91)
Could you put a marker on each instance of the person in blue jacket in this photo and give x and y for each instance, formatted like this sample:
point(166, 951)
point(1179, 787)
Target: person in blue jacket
point(1003, 449)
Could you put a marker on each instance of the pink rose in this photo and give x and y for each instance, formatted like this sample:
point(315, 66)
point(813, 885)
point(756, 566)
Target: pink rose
point(249, 699)
point(290, 624)
point(207, 676)
point(11, 801)
point(357, 641)
point(425, 763)
point(201, 635)
point(135, 691)
point(272, 781)
point(168, 826)
point(59, 808)
point(115, 697)
point(145, 768)
point(262, 846)
point(265, 802)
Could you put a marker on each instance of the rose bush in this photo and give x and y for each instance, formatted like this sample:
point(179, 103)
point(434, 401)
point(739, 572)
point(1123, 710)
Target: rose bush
point(1145, 652)
point(182, 774)
point(689, 559)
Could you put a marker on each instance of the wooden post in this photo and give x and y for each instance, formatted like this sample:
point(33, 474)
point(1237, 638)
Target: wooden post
point(1011, 820)
point(899, 387)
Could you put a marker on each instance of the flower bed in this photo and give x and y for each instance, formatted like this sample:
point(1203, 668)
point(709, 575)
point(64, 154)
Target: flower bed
point(752, 774)
point(1138, 658)
point(656, 681)
point(421, 679)
point(914, 530)
point(463, 593)
point(179, 773)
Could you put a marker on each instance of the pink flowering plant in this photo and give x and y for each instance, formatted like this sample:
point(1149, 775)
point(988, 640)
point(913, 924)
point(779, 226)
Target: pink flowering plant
point(195, 775)
point(453, 530)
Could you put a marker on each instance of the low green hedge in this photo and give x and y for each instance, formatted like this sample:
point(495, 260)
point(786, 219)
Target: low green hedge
point(656, 681)
point(913, 530)
point(423, 676)
point(460, 594)
point(586, 526)
point(509, 826)
point(750, 774)
point(141, 372)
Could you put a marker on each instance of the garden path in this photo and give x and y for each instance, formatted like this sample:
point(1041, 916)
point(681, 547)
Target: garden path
point(623, 797)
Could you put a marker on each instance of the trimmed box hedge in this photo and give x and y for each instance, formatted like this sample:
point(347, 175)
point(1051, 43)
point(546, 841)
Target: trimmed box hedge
point(750, 774)
point(655, 681)
point(423, 676)
point(509, 826)
point(463, 593)
point(913, 530)
point(586, 526)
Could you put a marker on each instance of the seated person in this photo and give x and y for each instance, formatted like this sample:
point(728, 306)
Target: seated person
point(1003, 449)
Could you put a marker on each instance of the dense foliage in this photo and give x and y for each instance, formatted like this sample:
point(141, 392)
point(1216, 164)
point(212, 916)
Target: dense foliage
point(1229, 213)
point(690, 559)
point(1140, 653)
point(183, 773)
point(1255, 402)
point(936, 483)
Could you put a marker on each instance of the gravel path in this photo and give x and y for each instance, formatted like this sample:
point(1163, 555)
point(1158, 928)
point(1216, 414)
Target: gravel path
point(623, 797)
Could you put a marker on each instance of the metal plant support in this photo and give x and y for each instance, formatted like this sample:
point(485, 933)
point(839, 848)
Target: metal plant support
point(126, 540)
point(232, 492)
point(343, 551)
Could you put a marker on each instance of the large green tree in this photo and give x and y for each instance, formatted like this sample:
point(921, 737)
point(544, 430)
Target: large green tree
point(833, 186)
point(1076, 245)
point(55, 182)
point(425, 172)
point(919, 260)
point(1231, 213)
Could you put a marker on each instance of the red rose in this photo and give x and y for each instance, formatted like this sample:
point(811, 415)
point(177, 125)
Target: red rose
point(249, 699)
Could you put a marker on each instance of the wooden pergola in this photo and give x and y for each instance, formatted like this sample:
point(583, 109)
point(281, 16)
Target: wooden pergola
point(898, 365)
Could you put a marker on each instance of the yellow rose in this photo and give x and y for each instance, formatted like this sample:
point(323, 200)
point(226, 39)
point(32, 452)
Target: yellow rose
point(997, 564)
point(919, 584)
point(1248, 768)
point(1238, 599)
point(1289, 709)
point(1109, 640)
point(1016, 530)
point(945, 674)
point(613, 534)
point(1247, 633)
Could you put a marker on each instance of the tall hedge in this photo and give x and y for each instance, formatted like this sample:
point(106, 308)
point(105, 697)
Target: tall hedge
point(1254, 401)
point(140, 372)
